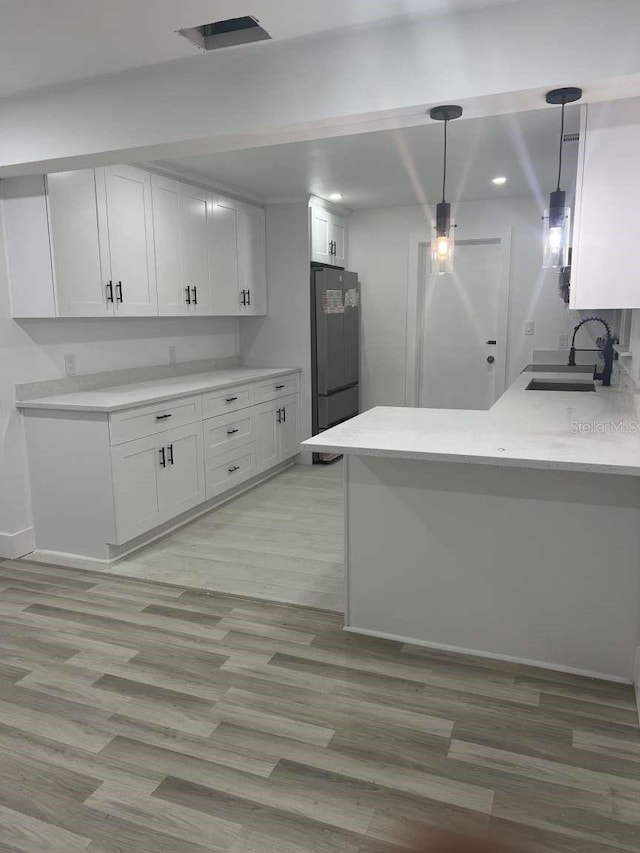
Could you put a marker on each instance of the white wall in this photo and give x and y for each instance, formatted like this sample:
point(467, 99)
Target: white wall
point(283, 338)
point(235, 98)
point(379, 251)
point(35, 349)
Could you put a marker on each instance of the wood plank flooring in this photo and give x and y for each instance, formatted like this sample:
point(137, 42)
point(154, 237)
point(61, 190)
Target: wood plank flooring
point(141, 717)
point(282, 541)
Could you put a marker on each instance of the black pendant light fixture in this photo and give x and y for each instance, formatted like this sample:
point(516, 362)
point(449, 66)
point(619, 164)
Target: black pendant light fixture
point(557, 218)
point(442, 243)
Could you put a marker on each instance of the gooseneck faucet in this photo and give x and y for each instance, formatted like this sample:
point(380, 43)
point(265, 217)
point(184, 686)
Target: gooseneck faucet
point(606, 350)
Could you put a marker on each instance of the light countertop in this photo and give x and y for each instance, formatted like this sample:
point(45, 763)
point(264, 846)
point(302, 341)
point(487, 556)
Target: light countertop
point(157, 391)
point(596, 432)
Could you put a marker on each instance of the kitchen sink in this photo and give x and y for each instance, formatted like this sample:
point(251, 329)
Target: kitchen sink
point(559, 385)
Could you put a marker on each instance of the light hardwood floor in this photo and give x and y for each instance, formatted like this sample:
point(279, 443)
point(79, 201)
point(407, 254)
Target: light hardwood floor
point(148, 718)
point(282, 541)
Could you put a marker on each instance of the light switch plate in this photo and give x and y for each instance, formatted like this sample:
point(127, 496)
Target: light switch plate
point(529, 328)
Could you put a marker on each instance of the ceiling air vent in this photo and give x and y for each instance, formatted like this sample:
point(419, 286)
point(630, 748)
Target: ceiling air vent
point(228, 33)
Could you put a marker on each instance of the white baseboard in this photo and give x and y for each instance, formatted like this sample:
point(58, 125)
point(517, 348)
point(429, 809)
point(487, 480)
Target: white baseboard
point(492, 656)
point(14, 545)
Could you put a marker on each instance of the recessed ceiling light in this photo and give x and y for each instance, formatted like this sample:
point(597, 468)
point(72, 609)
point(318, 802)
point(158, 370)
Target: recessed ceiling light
point(335, 197)
point(499, 181)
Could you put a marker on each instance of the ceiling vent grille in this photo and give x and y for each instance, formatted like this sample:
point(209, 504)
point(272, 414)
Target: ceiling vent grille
point(229, 33)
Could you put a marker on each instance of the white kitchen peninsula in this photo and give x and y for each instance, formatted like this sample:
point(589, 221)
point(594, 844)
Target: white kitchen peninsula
point(512, 533)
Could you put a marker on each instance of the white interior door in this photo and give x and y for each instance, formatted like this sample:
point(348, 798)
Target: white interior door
point(461, 339)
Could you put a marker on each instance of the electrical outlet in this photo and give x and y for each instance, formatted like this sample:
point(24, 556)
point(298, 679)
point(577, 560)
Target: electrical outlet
point(563, 342)
point(173, 357)
point(70, 364)
point(529, 328)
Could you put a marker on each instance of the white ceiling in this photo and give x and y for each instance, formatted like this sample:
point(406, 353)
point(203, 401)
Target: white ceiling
point(395, 167)
point(44, 42)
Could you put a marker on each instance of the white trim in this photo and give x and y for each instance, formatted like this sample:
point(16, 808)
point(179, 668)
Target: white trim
point(15, 545)
point(417, 269)
point(78, 561)
point(554, 667)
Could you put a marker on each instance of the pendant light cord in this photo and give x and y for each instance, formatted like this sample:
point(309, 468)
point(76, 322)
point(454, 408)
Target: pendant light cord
point(560, 152)
point(444, 172)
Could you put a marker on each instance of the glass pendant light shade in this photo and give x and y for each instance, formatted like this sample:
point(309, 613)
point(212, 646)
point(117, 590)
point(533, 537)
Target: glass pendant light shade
point(557, 232)
point(557, 217)
point(442, 241)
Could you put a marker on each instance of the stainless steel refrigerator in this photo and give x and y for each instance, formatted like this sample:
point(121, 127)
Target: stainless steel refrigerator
point(335, 348)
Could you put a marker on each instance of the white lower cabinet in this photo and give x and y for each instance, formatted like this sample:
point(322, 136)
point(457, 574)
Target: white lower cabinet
point(101, 481)
point(157, 478)
point(229, 470)
point(276, 431)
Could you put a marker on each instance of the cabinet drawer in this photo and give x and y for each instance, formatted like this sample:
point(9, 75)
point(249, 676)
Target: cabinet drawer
point(225, 472)
point(227, 400)
point(149, 420)
point(273, 389)
point(226, 432)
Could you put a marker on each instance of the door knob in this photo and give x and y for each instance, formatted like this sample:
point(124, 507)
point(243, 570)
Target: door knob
point(490, 359)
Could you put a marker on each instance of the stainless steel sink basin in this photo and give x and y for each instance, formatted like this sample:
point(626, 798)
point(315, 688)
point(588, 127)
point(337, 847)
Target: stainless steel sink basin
point(559, 385)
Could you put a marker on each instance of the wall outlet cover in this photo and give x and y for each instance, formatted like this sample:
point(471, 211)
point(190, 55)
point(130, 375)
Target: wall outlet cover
point(70, 364)
point(529, 328)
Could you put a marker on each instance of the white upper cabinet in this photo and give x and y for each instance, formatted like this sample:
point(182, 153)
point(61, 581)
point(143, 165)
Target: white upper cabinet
point(328, 236)
point(606, 249)
point(238, 258)
point(81, 283)
point(252, 260)
point(320, 228)
point(121, 242)
point(181, 247)
point(126, 220)
point(195, 206)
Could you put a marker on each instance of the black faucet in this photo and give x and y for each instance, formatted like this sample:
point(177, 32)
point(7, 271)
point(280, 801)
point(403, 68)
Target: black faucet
point(605, 348)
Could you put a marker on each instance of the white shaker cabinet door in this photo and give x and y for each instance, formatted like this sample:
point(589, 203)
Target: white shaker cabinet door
point(339, 240)
point(320, 235)
point(288, 428)
point(267, 435)
point(82, 286)
point(223, 240)
point(136, 468)
point(126, 213)
point(195, 207)
point(171, 286)
point(182, 481)
point(252, 259)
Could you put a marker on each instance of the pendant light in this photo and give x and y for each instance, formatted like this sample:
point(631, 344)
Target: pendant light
point(557, 217)
point(443, 241)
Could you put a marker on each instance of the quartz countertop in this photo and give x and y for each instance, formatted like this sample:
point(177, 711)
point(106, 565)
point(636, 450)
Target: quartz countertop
point(116, 399)
point(582, 431)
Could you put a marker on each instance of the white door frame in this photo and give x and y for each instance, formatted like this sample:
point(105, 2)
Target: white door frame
point(419, 250)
